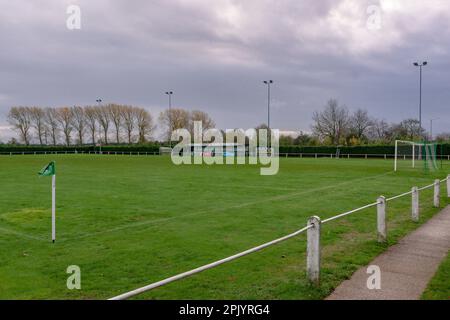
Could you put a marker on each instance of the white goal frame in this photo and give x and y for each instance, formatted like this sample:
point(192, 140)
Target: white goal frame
point(413, 144)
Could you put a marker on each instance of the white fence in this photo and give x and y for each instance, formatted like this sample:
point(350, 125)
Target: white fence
point(282, 155)
point(313, 229)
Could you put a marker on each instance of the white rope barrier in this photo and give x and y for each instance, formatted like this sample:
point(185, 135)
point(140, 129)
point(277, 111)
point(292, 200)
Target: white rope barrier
point(206, 267)
point(349, 212)
point(399, 196)
point(427, 187)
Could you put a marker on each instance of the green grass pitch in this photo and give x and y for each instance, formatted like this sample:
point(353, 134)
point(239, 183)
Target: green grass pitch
point(128, 221)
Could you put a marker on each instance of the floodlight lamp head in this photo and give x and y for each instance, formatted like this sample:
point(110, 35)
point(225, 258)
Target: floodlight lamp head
point(425, 63)
point(416, 64)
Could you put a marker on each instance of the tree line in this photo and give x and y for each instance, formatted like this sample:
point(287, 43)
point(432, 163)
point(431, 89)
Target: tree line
point(104, 124)
point(335, 125)
point(116, 123)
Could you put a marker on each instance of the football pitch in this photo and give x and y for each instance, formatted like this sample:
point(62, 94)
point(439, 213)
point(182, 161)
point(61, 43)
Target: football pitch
point(128, 221)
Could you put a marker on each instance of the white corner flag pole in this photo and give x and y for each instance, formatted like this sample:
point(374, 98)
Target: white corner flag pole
point(53, 207)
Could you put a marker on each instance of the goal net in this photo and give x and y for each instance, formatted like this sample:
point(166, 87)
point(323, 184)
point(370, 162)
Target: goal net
point(415, 155)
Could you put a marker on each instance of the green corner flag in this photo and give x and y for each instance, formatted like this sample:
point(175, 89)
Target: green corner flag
point(48, 170)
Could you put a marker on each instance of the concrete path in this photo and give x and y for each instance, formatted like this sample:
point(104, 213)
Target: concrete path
point(406, 268)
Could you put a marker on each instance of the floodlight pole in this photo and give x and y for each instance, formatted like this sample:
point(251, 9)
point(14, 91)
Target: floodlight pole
point(431, 128)
point(99, 101)
point(268, 83)
point(170, 93)
point(420, 65)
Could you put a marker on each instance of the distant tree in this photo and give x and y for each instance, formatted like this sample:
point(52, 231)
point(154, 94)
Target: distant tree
point(380, 131)
point(115, 111)
point(13, 141)
point(286, 140)
point(79, 122)
point(331, 123)
point(52, 124)
point(38, 122)
point(104, 119)
point(145, 125)
point(129, 116)
point(305, 139)
point(409, 129)
point(360, 123)
point(173, 119)
point(207, 121)
point(64, 116)
point(443, 137)
point(90, 114)
point(20, 119)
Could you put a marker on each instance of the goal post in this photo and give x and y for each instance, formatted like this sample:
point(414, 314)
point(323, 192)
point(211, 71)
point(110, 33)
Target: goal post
point(415, 154)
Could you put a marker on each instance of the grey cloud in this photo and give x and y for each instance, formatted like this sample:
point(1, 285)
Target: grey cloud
point(215, 54)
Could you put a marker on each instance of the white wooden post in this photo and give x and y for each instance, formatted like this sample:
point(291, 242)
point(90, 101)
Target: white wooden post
point(448, 186)
point(437, 191)
point(54, 207)
point(313, 250)
point(415, 204)
point(381, 219)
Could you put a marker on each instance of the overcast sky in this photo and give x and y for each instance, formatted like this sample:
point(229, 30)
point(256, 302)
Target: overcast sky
point(214, 54)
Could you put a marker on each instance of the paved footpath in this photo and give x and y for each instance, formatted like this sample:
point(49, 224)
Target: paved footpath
point(406, 268)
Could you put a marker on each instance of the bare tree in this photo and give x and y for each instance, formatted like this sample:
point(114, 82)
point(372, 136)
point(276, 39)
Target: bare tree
point(331, 123)
point(38, 122)
point(79, 122)
point(379, 131)
point(360, 123)
point(64, 116)
point(129, 116)
point(20, 119)
point(145, 126)
point(52, 124)
point(443, 137)
point(207, 121)
point(104, 119)
point(91, 121)
point(412, 129)
point(116, 118)
point(174, 119)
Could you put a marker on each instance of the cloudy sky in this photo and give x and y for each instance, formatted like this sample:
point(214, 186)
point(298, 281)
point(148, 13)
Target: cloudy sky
point(214, 55)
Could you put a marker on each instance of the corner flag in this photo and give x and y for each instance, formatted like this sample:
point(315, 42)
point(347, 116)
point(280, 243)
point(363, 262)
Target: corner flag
point(50, 170)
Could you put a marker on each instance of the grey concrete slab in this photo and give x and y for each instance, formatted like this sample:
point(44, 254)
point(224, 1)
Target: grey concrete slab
point(406, 268)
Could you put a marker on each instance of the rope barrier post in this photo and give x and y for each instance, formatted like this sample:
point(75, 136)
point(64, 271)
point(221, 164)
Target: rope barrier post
point(415, 204)
point(437, 191)
point(448, 186)
point(313, 250)
point(381, 219)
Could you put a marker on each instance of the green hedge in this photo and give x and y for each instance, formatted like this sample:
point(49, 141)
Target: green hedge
point(85, 148)
point(155, 148)
point(353, 150)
